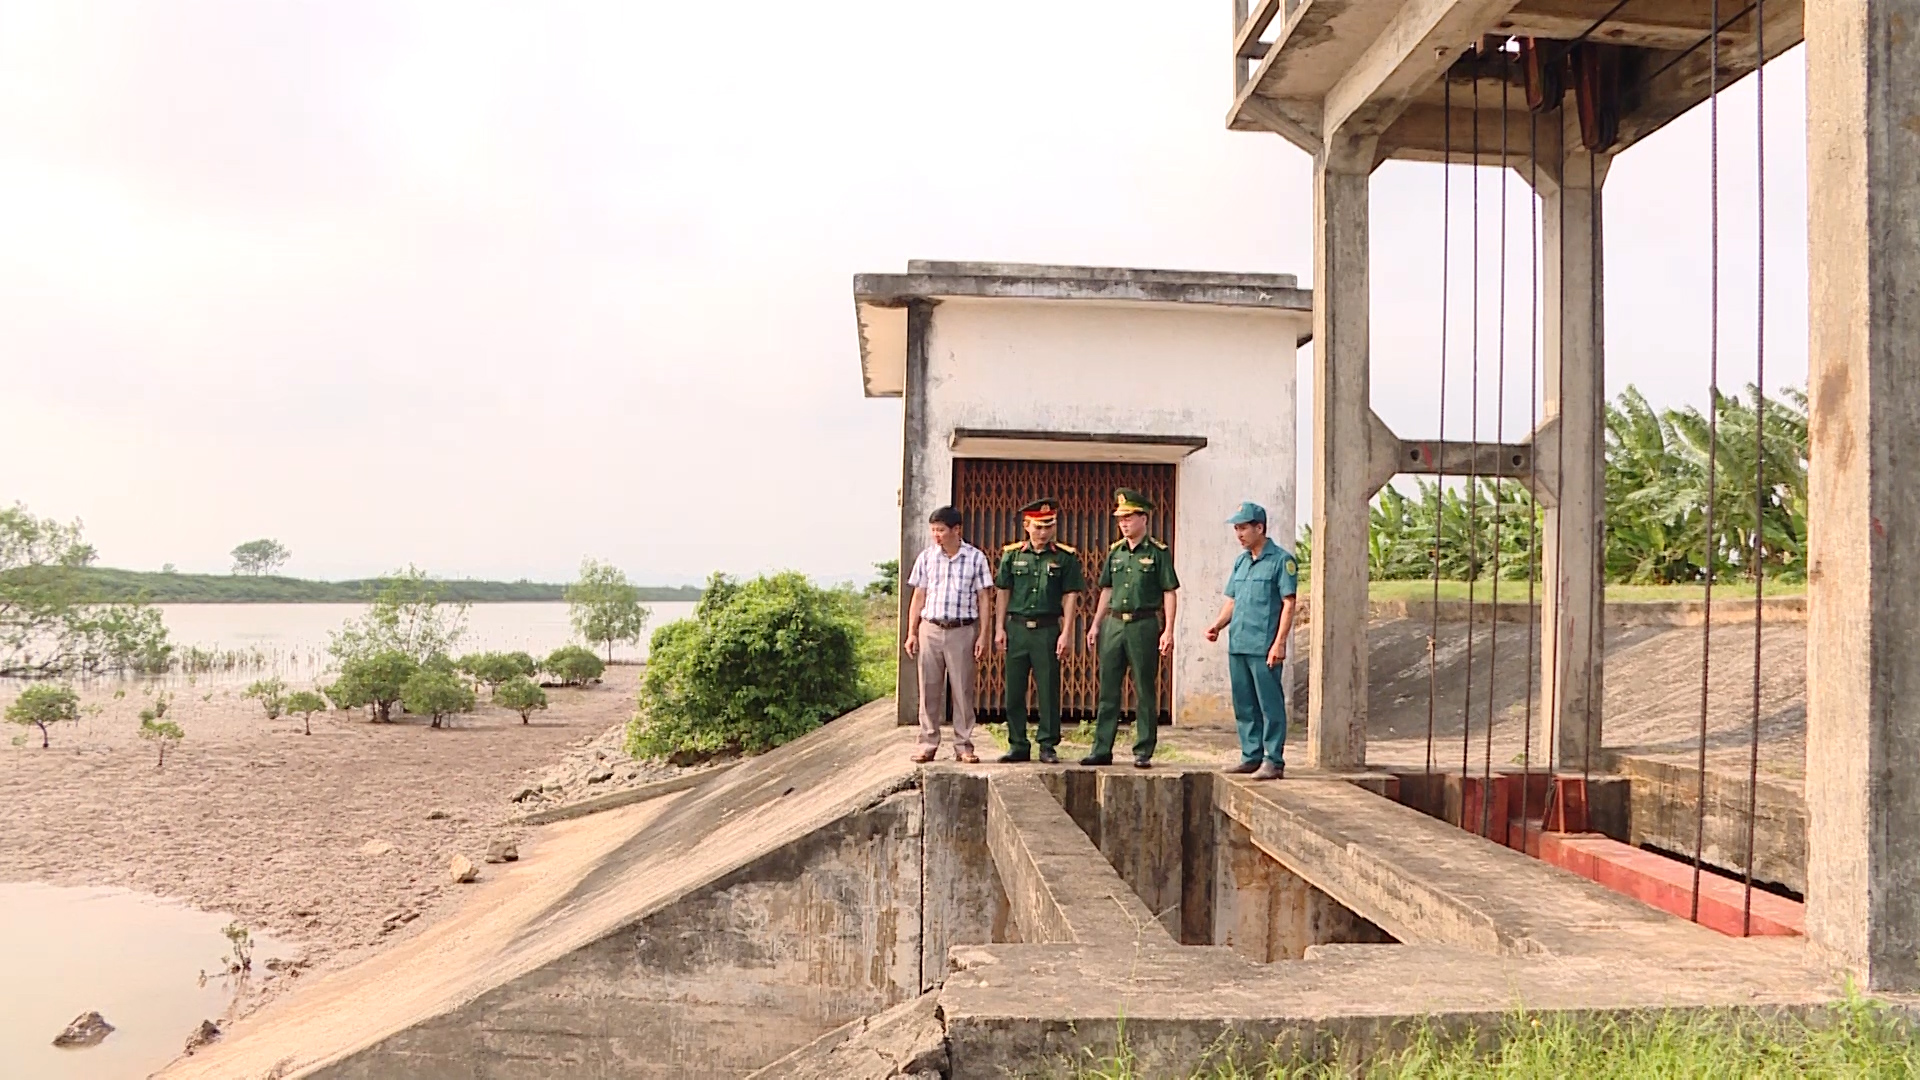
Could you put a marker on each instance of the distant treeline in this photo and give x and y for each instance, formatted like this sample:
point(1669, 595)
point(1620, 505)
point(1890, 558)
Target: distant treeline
point(106, 585)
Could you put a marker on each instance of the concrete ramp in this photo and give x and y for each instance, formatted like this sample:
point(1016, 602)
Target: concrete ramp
point(705, 934)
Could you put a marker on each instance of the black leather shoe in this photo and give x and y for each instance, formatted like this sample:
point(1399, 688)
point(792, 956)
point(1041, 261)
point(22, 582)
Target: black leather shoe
point(1243, 768)
point(1143, 763)
point(1097, 759)
point(1048, 757)
point(1012, 757)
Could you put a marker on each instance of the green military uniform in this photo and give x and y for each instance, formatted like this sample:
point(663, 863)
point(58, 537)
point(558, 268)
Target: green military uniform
point(1140, 577)
point(1037, 581)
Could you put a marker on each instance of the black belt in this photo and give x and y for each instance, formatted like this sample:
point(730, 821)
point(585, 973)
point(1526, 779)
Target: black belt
point(1035, 622)
point(1134, 616)
point(952, 624)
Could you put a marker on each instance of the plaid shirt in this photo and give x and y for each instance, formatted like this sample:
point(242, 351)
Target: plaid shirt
point(953, 585)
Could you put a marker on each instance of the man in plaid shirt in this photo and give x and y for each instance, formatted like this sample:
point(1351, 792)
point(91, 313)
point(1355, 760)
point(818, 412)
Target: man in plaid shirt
point(947, 631)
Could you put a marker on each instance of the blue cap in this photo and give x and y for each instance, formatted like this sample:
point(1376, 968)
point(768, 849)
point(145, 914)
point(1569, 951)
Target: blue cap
point(1250, 513)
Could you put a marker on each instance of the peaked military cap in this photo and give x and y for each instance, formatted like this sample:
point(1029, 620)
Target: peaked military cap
point(1128, 501)
point(1041, 511)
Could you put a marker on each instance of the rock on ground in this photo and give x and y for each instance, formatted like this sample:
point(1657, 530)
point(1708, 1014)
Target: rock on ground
point(207, 1032)
point(87, 1029)
point(461, 870)
point(502, 851)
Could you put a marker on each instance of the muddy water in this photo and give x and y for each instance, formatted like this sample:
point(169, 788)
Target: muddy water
point(134, 959)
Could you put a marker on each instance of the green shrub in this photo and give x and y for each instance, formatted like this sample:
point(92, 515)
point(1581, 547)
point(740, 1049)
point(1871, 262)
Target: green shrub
point(521, 695)
point(759, 664)
point(163, 732)
point(272, 694)
point(524, 665)
point(436, 694)
point(43, 705)
point(304, 703)
point(374, 680)
point(493, 668)
point(574, 666)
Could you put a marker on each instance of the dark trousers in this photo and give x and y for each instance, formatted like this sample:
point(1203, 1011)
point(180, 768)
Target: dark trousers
point(1030, 652)
point(1125, 645)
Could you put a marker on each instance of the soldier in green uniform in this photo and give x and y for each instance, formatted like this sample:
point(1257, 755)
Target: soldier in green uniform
point(1039, 583)
point(1132, 628)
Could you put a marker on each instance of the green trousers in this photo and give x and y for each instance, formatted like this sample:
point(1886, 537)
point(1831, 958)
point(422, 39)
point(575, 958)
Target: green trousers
point(1030, 652)
point(1126, 645)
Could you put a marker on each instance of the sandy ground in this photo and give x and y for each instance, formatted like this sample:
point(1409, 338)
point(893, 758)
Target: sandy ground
point(251, 817)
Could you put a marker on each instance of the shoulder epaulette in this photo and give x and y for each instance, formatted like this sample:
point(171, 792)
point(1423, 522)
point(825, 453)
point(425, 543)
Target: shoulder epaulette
point(1115, 546)
point(1013, 545)
point(1066, 548)
point(1155, 541)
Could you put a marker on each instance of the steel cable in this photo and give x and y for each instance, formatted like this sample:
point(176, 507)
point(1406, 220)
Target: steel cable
point(1713, 442)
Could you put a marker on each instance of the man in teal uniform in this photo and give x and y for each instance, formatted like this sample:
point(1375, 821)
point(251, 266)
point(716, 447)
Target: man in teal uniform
point(1132, 628)
point(1039, 583)
point(1258, 617)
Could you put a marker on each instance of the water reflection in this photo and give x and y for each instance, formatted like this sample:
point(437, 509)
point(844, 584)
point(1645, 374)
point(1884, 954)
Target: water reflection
point(135, 959)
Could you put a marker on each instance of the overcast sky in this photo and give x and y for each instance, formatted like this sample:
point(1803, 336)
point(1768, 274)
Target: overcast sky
point(490, 287)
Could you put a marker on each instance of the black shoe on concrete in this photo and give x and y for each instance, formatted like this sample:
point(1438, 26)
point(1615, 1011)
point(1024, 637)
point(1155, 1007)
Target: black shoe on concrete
point(1244, 768)
point(1270, 771)
point(1013, 757)
point(1142, 762)
point(1097, 759)
point(1048, 757)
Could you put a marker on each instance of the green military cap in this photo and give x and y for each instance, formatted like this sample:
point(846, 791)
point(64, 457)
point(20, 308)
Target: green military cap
point(1041, 511)
point(1128, 501)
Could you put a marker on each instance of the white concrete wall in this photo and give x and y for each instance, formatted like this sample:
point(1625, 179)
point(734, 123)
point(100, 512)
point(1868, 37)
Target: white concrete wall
point(1160, 369)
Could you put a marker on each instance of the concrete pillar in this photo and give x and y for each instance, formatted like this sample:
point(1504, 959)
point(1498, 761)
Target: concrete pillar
point(1863, 672)
point(1573, 607)
point(1342, 424)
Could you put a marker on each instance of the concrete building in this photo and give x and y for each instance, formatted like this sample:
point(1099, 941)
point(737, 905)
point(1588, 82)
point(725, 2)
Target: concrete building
point(1022, 381)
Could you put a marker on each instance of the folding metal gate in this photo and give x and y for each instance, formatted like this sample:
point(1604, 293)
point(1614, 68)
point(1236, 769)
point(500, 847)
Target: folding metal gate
point(989, 494)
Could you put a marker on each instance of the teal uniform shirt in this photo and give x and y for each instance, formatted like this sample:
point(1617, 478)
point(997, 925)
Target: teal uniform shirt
point(1139, 576)
point(1259, 588)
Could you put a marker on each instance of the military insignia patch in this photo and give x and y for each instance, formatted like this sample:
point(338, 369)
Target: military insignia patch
point(1292, 567)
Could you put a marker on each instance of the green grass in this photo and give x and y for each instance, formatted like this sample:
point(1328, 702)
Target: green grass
point(1855, 1039)
point(1516, 591)
point(107, 585)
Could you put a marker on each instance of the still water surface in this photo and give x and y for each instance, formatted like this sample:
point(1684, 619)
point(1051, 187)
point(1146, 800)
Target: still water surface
point(291, 639)
point(133, 958)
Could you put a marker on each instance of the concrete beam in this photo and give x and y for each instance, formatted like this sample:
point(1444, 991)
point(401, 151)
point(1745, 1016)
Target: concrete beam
point(1573, 605)
point(1863, 613)
point(1061, 890)
point(1672, 83)
point(1284, 119)
point(1424, 38)
point(1343, 431)
point(1672, 24)
point(1426, 132)
point(1428, 883)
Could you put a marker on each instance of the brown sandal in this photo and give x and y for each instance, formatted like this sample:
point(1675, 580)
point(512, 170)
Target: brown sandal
point(967, 759)
point(921, 757)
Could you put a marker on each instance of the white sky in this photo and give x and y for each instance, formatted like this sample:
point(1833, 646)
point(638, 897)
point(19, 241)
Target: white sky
point(490, 287)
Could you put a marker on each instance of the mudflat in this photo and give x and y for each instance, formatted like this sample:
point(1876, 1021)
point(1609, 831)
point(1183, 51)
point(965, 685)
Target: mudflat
point(338, 841)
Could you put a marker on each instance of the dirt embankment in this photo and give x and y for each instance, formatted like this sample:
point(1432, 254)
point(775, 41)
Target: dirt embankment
point(337, 841)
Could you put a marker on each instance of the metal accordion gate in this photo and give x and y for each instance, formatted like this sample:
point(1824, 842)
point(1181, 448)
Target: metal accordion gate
point(989, 493)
